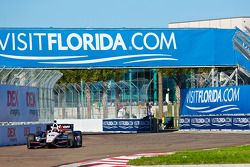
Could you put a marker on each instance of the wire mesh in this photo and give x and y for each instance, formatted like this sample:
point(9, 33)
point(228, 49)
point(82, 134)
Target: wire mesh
point(101, 100)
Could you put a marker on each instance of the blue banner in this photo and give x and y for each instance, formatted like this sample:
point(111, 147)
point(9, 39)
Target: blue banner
point(215, 122)
point(127, 125)
point(98, 48)
point(215, 101)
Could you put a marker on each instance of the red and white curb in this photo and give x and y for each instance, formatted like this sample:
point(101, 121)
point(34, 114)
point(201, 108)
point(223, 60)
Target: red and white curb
point(120, 161)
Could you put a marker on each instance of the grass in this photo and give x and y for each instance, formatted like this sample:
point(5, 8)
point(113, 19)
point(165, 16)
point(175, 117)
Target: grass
point(227, 155)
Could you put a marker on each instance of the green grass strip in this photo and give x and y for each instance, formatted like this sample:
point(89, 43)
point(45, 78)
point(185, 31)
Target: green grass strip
point(227, 155)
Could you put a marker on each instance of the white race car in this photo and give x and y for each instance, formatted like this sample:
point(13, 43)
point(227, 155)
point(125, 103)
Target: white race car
point(62, 136)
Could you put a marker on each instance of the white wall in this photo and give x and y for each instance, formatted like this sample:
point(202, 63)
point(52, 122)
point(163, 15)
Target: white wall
point(84, 125)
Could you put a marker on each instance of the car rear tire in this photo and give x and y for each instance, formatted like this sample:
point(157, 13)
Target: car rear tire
point(78, 143)
point(30, 138)
point(71, 140)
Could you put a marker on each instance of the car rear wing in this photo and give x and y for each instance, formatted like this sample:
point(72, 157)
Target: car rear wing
point(62, 127)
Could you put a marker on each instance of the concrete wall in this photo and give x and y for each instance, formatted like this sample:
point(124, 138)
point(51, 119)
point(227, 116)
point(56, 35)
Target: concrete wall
point(84, 125)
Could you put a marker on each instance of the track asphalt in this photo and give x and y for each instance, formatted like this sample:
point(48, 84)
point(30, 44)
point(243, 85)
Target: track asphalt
point(102, 146)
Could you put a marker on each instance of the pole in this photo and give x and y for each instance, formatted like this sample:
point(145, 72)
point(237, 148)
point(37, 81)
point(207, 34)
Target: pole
point(130, 92)
point(155, 86)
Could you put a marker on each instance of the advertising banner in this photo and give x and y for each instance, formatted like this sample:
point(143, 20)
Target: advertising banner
point(17, 134)
point(215, 122)
point(18, 103)
point(86, 48)
point(215, 101)
point(127, 125)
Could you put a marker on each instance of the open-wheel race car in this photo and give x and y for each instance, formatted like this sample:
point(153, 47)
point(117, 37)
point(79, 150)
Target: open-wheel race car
point(56, 135)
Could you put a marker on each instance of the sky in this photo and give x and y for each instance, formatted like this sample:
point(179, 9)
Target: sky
point(115, 13)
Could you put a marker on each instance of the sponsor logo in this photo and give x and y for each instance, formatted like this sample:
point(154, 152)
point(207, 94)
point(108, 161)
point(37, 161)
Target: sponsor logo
point(126, 123)
point(64, 127)
point(241, 122)
point(26, 131)
point(223, 121)
point(184, 122)
point(120, 125)
point(86, 41)
point(213, 95)
point(12, 98)
point(82, 43)
point(30, 99)
point(200, 122)
point(110, 123)
point(205, 98)
point(11, 132)
point(220, 122)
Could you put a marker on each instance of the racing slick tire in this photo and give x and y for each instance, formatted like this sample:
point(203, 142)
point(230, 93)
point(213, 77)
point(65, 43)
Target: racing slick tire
point(30, 138)
point(71, 140)
point(78, 141)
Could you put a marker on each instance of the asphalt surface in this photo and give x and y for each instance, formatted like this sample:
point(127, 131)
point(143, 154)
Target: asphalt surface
point(97, 146)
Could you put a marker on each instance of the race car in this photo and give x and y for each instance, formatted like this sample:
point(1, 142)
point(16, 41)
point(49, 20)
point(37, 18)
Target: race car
point(60, 136)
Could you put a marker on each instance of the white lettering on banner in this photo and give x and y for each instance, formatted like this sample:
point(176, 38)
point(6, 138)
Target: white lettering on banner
point(119, 42)
point(213, 96)
point(88, 38)
point(85, 41)
point(79, 41)
point(159, 42)
point(22, 42)
point(60, 46)
point(30, 41)
point(3, 46)
point(110, 41)
point(51, 41)
point(39, 35)
point(14, 43)
point(241, 120)
point(133, 41)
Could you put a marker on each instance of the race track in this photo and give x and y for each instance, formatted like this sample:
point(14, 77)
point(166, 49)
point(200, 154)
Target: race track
point(110, 145)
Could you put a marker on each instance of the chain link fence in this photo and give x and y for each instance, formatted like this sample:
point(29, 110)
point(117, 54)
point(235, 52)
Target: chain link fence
point(123, 99)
